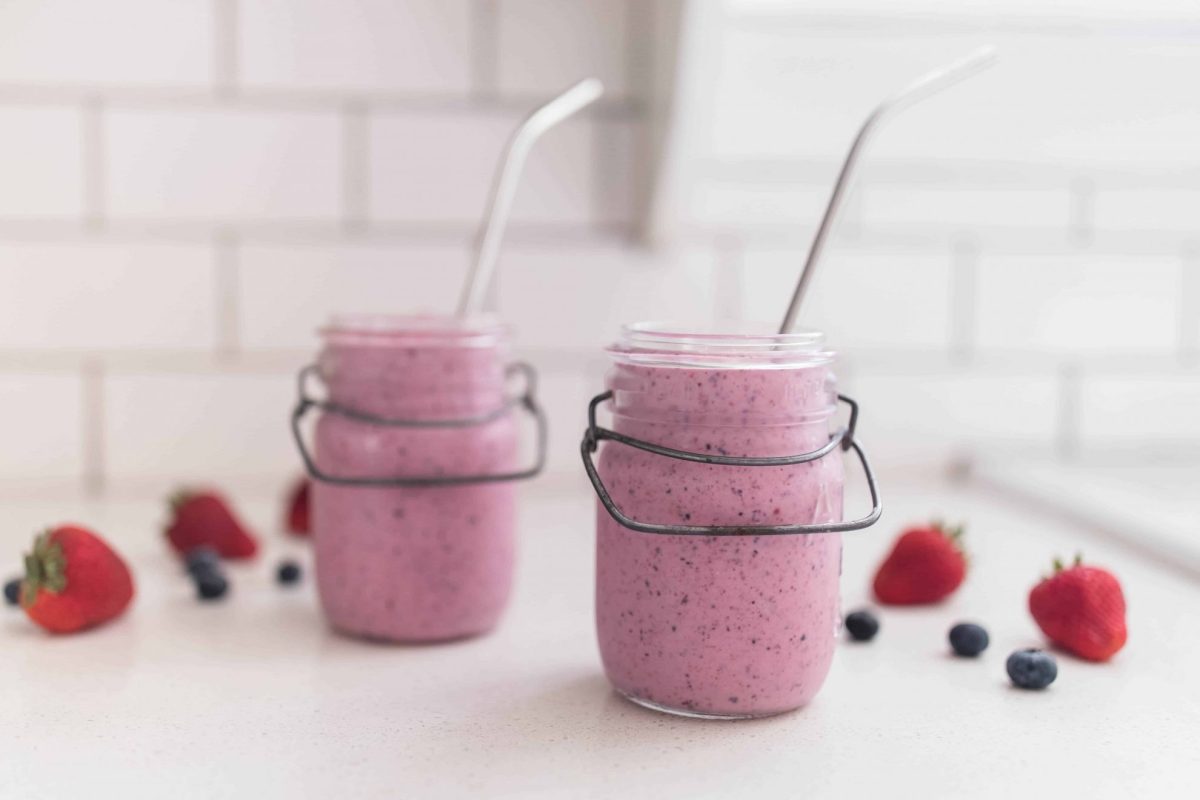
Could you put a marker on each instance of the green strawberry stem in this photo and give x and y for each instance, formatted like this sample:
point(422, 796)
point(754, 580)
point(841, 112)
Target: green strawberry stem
point(179, 497)
point(1059, 566)
point(955, 532)
point(45, 568)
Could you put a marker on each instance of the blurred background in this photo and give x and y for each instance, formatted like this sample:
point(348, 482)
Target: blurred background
point(188, 189)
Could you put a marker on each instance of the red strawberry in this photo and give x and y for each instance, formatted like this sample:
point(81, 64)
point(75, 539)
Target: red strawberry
point(204, 519)
point(297, 513)
point(74, 580)
point(1082, 610)
point(925, 566)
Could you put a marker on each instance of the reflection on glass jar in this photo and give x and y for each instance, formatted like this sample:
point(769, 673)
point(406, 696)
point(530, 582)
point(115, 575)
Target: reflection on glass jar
point(738, 624)
point(413, 533)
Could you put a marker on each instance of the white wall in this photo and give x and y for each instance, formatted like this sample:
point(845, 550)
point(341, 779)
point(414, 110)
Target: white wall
point(1018, 270)
point(187, 189)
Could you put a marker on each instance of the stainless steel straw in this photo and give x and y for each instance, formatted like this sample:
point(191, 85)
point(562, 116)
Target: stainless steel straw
point(508, 177)
point(929, 84)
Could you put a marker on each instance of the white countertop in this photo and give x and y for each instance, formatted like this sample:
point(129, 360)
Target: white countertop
point(255, 697)
point(1153, 508)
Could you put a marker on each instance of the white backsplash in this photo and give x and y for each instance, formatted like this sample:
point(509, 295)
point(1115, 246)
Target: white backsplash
point(188, 189)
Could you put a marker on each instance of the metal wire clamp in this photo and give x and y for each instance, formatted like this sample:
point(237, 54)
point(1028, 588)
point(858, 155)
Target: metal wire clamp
point(526, 399)
point(843, 437)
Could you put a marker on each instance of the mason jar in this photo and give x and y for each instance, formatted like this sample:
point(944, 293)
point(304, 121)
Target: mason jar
point(719, 519)
point(414, 460)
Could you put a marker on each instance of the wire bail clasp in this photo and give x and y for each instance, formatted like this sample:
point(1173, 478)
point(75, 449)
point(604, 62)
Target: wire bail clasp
point(526, 400)
point(843, 436)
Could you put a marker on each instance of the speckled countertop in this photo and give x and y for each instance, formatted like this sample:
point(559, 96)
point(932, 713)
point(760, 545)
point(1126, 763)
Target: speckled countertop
point(256, 698)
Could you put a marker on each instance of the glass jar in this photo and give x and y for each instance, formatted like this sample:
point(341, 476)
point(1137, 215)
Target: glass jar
point(718, 547)
point(413, 500)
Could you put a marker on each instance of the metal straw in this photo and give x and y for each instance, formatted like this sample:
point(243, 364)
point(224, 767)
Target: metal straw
point(508, 177)
point(930, 84)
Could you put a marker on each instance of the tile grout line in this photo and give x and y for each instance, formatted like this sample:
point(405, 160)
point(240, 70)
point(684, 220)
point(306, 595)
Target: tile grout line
point(92, 422)
point(598, 170)
point(964, 298)
point(635, 60)
point(1082, 216)
point(356, 172)
point(939, 172)
point(1189, 304)
point(1068, 439)
point(225, 55)
point(642, 69)
point(634, 64)
point(227, 280)
point(285, 100)
point(485, 49)
point(818, 23)
point(301, 232)
point(94, 175)
point(729, 280)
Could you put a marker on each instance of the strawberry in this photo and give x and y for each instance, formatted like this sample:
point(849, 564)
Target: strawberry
point(297, 512)
point(925, 566)
point(74, 580)
point(1082, 610)
point(204, 519)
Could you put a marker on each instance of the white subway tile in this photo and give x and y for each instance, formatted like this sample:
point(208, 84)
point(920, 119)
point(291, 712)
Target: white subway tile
point(1147, 209)
point(621, 172)
point(753, 204)
point(41, 427)
point(1140, 409)
point(117, 42)
point(433, 167)
point(438, 167)
point(954, 207)
point(859, 300)
point(106, 295)
point(559, 181)
point(41, 153)
point(1078, 303)
point(286, 292)
point(367, 46)
point(1053, 99)
point(564, 394)
point(1028, 11)
point(546, 45)
point(214, 427)
point(579, 296)
point(921, 413)
point(223, 165)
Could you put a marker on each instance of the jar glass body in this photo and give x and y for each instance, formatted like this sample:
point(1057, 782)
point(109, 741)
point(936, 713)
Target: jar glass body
point(732, 625)
point(414, 563)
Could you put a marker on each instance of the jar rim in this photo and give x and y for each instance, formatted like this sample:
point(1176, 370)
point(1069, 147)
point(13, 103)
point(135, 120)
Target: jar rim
point(425, 330)
point(746, 346)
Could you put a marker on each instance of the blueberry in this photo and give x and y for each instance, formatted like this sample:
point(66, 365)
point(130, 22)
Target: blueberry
point(202, 559)
point(12, 591)
point(862, 625)
point(288, 572)
point(968, 639)
point(1032, 669)
point(211, 585)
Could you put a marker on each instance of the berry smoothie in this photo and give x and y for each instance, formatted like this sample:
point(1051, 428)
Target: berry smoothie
point(724, 626)
point(402, 563)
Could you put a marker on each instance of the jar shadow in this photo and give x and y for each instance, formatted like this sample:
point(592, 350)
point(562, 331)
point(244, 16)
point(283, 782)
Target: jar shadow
point(581, 720)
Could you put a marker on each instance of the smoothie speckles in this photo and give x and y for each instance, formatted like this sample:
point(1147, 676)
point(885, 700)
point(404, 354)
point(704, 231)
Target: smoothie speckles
point(719, 624)
point(413, 564)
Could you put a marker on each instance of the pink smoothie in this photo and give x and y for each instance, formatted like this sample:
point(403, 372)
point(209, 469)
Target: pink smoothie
point(741, 625)
point(414, 564)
